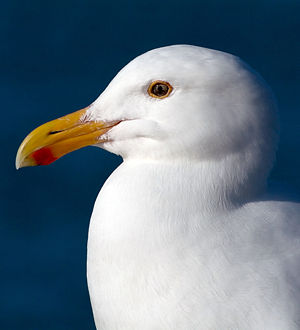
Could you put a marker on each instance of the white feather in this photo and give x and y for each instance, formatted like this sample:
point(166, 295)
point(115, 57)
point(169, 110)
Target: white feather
point(181, 235)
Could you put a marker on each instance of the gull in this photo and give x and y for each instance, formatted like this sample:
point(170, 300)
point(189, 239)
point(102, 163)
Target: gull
point(184, 234)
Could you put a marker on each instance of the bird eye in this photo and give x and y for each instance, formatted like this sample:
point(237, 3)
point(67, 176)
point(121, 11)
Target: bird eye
point(159, 89)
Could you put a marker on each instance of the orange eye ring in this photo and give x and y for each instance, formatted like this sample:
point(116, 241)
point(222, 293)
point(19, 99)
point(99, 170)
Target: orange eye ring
point(159, 89)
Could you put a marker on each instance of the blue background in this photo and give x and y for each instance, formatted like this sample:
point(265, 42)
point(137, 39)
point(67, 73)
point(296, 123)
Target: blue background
point(56, 57)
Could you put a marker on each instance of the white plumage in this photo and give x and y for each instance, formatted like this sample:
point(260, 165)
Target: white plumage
point(182, 235)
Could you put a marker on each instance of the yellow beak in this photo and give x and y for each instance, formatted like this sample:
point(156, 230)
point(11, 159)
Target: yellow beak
point(58, 137)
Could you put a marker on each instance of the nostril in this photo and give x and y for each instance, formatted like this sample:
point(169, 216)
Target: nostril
point(54, 132)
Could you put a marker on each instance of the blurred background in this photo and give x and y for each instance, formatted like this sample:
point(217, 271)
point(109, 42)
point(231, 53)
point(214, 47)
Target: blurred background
point(57, 57)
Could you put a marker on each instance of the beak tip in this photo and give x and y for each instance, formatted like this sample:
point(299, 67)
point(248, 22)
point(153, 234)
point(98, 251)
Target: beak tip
point(18, 163)
point(20, 160)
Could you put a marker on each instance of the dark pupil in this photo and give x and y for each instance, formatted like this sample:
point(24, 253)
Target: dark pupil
point(160, 89)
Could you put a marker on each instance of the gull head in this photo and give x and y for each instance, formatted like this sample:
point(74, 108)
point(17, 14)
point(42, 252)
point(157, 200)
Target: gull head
point(178, 102)
point(186, 102)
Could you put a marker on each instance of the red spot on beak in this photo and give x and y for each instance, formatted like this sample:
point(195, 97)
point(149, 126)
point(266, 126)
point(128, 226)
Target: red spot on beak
point(43, 156)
